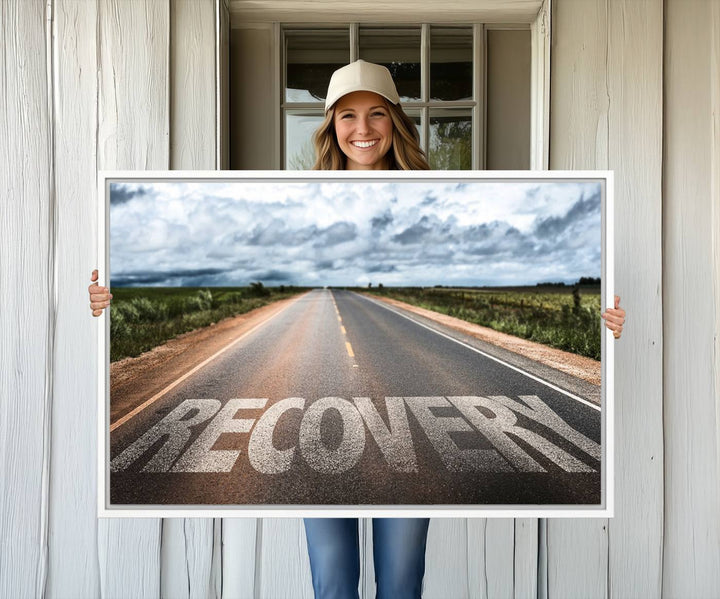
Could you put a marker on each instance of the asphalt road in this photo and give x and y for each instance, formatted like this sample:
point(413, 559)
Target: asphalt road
point(341, 399)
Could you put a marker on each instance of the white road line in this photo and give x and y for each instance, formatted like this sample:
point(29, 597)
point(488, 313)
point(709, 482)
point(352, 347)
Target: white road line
point(476, 350)
point(176, 382)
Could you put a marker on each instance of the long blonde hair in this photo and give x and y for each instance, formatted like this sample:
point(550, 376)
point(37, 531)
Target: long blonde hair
point(405, 153)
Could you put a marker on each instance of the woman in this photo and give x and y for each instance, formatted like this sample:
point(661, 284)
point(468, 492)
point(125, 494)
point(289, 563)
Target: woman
point(365, 129)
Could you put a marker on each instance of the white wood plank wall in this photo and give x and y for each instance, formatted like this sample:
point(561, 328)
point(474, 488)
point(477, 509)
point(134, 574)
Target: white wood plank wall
point(606, 113)
point(634, 88)
point(27, 298)
point(577, 550)
point(190, 565)
point(691, 204)
point(133, 132)
point(73, 541)
point(133, 85)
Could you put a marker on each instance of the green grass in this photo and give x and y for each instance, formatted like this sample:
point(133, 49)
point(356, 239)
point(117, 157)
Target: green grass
point(552, 316)
point(144, 317)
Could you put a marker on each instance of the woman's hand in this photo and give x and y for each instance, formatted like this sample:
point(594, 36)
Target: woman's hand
point(615, 318)
point(99, 296)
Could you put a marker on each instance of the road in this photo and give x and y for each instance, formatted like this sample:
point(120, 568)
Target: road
point(342, 399)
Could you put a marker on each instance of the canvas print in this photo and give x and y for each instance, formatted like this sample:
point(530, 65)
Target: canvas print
point(290, 342)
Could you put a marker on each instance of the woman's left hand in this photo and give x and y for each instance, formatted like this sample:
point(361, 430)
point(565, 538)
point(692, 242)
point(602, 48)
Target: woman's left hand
point(615, 318)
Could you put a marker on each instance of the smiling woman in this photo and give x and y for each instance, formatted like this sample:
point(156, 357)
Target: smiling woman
point(365, 128)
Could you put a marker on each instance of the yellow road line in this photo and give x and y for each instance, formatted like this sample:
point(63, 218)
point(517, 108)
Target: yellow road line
point(349, 348)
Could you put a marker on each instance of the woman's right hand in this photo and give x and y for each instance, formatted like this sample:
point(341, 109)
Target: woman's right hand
point(99, 296)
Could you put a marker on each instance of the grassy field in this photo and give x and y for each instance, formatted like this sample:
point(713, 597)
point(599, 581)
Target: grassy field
point(144, 317)
point(551, 315)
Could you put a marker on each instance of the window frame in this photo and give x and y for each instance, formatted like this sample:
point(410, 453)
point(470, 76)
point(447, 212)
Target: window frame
point(476, 106)
point(271, 13)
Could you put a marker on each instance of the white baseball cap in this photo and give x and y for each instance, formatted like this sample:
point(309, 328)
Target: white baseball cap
point(361, 76)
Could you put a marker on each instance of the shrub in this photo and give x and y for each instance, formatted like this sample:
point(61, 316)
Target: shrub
point(127, 311)
point(257, 289)
point(148, 310)
point(176, 306)
point(119, 328)
point(202, 300)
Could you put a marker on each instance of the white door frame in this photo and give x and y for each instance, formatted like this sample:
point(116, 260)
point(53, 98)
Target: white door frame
point(535, 13)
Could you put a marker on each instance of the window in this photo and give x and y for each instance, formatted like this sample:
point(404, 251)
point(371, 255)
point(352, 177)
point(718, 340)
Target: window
point(466, 86)
point(434, 68)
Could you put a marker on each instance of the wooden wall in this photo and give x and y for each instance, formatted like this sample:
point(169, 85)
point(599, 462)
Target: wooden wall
point(606, 112)
point(133, 85)
point(691, 302)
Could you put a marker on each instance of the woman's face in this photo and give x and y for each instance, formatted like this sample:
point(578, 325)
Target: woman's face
point(364, 130)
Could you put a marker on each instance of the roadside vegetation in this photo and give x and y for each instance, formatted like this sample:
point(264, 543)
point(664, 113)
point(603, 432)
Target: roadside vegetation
point(144, 317)
point(561, 316)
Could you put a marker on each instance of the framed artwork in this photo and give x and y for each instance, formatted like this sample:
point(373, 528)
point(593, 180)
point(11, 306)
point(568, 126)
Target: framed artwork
point(355, 344)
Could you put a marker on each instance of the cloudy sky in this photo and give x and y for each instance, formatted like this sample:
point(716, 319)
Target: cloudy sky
point(316, 233)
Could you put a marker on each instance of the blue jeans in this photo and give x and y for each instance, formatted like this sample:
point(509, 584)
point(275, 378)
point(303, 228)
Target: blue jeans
point(398, 552)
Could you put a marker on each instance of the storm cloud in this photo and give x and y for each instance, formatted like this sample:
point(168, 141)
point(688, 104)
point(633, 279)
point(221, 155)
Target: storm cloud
point(335, 234)
point(554, 226)
point(353, 233)
point(121, 193)
point(168, 278)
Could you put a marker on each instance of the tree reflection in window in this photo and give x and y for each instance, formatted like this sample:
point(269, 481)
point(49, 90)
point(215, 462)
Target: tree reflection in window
point(450, 140)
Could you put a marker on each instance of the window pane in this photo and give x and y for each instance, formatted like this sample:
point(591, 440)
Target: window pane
point(415, 116)
point(311, 58)
point(451, 54)
point(450, 139)
point(299, 150)
point(398, 50)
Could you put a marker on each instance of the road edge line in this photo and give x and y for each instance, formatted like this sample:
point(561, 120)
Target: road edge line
point(176, 382)
point(479, 351)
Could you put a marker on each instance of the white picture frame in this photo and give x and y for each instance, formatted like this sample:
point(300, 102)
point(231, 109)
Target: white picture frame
point(604, 509)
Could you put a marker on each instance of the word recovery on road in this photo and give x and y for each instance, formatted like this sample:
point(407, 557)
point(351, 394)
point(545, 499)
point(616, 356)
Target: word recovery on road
point(494, 417)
